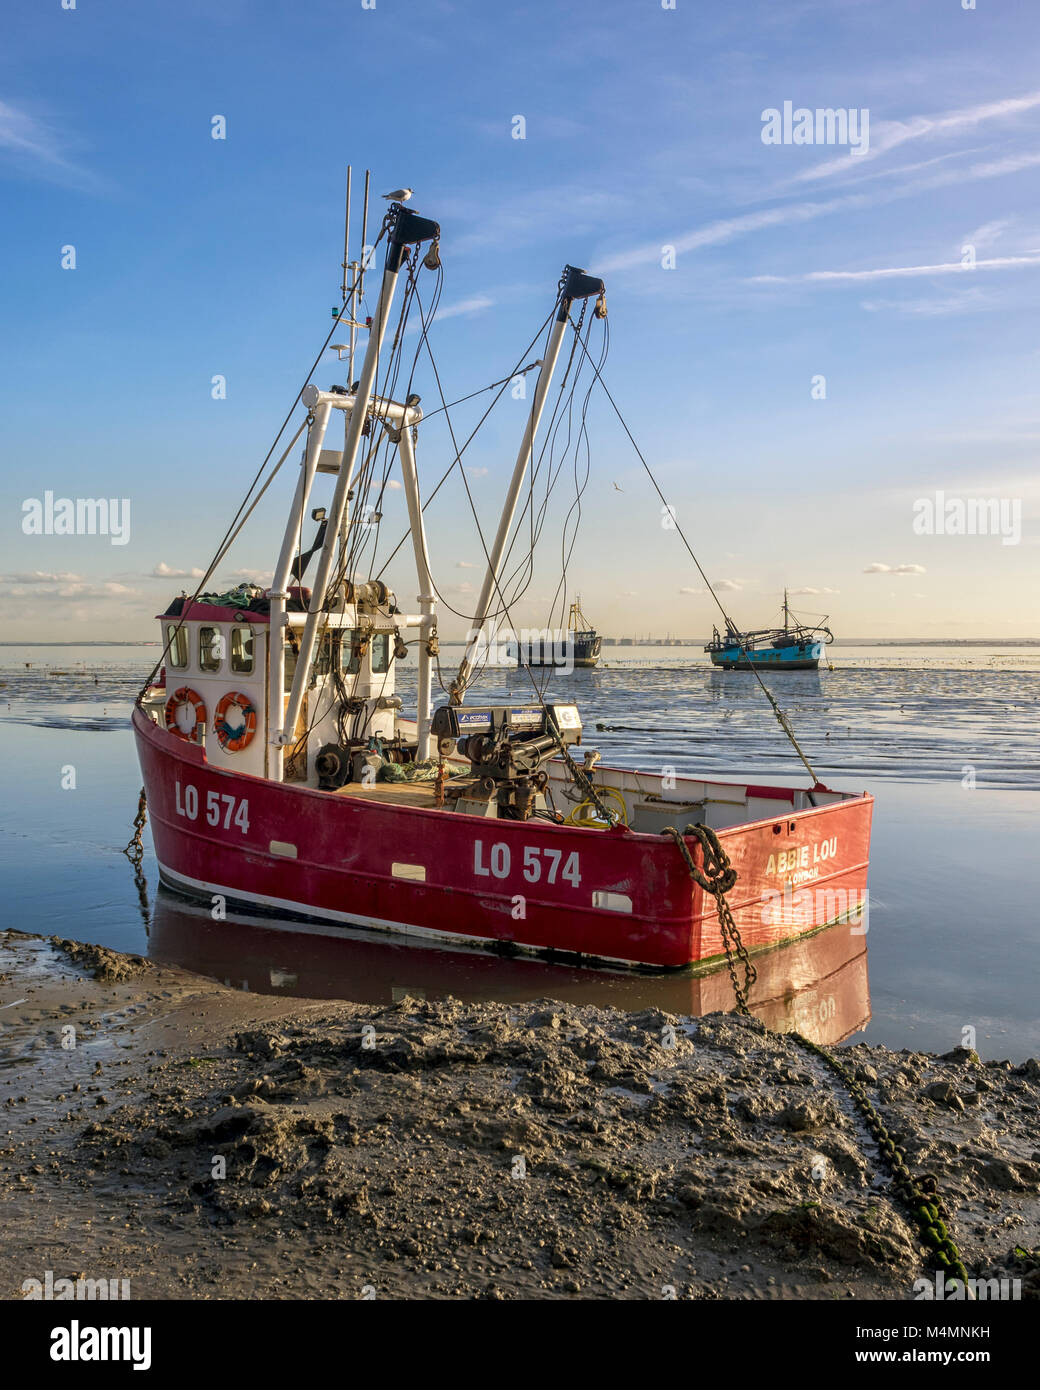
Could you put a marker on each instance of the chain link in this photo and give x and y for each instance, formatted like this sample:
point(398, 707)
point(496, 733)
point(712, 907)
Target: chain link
point(718, 878)
point(920, 1194)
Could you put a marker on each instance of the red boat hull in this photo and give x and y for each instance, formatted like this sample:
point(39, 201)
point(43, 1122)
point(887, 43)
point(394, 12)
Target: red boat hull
point(612, 895)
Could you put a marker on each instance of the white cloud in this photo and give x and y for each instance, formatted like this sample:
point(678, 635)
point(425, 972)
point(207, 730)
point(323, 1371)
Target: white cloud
point(809, 590)
point(728, 585)
point(878, 568)
point(165, 571)
point(477, 472)
point(44, 590)
point(465, 565)
point(40, 577)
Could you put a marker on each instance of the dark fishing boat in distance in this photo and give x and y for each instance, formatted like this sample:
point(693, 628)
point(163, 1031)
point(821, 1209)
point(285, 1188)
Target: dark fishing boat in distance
point(794, 647)
point(578, 644)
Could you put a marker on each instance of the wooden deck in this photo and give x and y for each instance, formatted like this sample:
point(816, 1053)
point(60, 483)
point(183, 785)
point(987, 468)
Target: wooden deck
point(422, 794)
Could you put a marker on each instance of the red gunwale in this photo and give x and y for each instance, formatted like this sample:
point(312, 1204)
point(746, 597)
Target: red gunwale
point(345, 847)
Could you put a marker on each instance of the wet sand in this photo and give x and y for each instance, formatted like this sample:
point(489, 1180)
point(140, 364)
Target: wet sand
point(203, 1142)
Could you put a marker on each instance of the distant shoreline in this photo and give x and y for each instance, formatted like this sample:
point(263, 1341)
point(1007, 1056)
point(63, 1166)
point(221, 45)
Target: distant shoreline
point(686, 642)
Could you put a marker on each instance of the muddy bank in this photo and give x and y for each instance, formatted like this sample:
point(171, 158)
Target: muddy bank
point(206, 1143)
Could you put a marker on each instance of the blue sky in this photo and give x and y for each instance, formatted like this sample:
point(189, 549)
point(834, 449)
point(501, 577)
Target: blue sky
point(197, 257)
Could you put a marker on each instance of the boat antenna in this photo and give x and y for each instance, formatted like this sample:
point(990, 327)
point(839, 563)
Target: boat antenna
point(346, 246)
point(781, 717)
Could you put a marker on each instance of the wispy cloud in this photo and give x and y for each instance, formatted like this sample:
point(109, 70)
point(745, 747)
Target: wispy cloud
point(475, 305)
point(895, 272)
point(987, 234)
point(888, 135)
point(31, 145)
point(942, 306)
point(41, 577)
point(44, 587)
point(724, 230)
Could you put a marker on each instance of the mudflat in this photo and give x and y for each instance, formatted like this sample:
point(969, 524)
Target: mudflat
point(202, 1142)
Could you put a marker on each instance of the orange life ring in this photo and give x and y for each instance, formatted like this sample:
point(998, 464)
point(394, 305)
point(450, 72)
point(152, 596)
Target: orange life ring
point(230, 740)
point(185, 695)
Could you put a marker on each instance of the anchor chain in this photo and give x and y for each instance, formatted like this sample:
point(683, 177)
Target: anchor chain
point(134, 850)
point(718, 878)
point(920, 1194)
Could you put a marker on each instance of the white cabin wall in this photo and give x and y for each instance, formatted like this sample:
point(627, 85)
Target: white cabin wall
point(212, 686)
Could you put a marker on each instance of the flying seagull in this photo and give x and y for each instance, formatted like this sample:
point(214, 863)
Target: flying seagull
point(399, 195)
point(620, 489)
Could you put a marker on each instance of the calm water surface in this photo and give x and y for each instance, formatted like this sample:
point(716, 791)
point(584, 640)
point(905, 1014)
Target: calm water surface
point(947, 739)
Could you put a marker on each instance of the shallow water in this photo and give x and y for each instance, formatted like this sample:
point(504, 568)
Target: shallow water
point(947, 739)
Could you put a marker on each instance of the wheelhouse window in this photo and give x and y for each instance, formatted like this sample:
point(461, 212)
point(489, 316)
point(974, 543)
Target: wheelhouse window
point(242, 650)
point(380, 653)
point(326, 654)
point(211, 648)
point(177, 640)
point(350, 651)
point(290, 667)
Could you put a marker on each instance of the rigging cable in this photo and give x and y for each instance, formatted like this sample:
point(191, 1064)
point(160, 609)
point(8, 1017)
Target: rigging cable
point(780, 715)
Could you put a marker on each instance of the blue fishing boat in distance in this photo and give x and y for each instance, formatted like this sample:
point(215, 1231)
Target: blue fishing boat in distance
point(794, 647)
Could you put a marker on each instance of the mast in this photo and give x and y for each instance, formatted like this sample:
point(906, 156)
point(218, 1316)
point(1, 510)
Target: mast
point(427, 598)
point(575, 285)
point(787, 613)
point(406, 229)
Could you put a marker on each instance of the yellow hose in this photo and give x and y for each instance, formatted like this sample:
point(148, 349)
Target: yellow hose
point(594, 822)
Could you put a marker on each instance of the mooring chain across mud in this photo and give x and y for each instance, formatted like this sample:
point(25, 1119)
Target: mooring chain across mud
point(920, 1195)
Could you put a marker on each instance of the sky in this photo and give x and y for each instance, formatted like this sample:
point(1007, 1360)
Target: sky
point(808, 340)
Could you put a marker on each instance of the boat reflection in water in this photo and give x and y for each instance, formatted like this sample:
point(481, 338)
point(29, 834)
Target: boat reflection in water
point(817, 985)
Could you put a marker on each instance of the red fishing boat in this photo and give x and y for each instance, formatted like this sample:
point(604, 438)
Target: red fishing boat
point(283, 777)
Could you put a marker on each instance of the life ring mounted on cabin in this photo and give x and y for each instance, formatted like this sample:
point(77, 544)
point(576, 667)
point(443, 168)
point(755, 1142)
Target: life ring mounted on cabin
point(186, 696)
point(234, 738)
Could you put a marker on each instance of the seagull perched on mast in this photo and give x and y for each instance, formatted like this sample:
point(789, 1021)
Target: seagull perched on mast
point(399, 195)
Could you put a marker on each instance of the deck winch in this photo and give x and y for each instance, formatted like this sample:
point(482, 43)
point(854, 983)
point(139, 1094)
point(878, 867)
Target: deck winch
point(506, 746)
